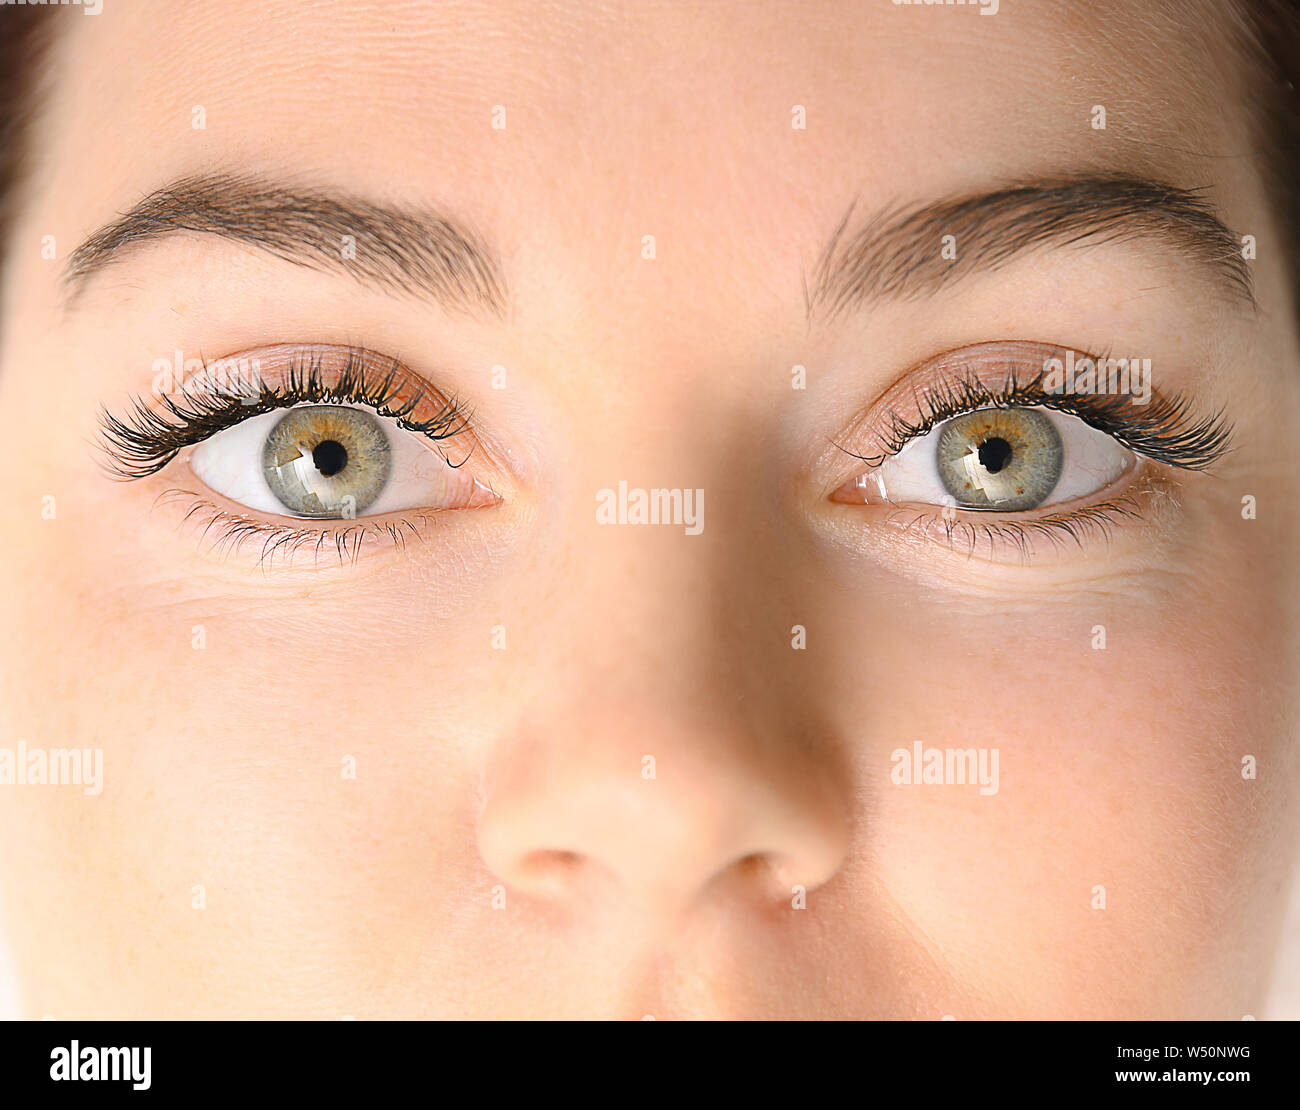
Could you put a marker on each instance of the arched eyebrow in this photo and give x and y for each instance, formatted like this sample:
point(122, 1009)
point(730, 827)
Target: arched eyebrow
point(898, 253)
point(413, 251)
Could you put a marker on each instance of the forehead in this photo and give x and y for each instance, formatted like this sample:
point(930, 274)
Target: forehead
point(736, 134)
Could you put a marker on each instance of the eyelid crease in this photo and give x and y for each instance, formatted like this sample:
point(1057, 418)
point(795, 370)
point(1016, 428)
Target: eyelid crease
point(147, 439)
point(1164, 430)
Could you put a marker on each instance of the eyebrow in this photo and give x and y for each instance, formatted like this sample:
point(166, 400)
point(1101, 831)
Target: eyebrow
point(899, 253)
point(413, 251)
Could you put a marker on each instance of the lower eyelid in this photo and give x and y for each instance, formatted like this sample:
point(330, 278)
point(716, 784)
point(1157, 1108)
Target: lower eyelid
point(226, 533)
point(1025, 537)
point(1088, 532)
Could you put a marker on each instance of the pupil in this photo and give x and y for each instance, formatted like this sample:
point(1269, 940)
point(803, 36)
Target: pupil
point(330, 457)
point(994, 454)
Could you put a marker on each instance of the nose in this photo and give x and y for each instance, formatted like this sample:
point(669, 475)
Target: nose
point(636, 803)
point(667, 747)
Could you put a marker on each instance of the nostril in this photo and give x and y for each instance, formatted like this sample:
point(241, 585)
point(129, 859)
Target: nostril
point(550, 859)
point(549, 868)
point(754, 867)
point(768, 873)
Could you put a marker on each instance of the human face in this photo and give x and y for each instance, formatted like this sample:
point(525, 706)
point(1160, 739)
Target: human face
point(530, 761)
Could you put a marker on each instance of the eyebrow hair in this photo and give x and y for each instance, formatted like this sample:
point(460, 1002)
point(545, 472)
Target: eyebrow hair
point(897, 254)
point(407, 250)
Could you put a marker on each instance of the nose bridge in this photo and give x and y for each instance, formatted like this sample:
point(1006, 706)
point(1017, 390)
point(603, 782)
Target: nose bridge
point(647, 617)
point(669, 544)
point(657, 625)
point(642, 545)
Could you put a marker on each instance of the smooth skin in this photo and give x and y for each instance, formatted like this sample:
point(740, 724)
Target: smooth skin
point(500, 851)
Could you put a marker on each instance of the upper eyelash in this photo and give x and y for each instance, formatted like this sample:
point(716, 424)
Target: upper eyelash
point(145, 440)
point(1162, 430)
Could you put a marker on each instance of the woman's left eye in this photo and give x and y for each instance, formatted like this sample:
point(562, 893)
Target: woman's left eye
point(997, 460)
point(332, 462)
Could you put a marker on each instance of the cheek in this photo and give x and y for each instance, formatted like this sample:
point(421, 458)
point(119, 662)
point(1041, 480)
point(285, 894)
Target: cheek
point(1124, 857)
point(295, 767)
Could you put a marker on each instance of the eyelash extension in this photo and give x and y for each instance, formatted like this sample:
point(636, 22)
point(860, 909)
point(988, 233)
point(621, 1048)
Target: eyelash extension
point(145, 440)
point(1162, 430)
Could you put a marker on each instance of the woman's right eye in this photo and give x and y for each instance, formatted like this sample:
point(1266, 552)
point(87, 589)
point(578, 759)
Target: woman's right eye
point(332, 462)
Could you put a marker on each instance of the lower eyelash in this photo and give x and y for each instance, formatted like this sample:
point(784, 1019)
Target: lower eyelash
point(1072, 528)
point(228, 533)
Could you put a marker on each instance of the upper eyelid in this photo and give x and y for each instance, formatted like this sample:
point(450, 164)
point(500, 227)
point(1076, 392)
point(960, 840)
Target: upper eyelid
point(150, 435)
point(1024, 394)
point(1166, 430)
point(1167, 434)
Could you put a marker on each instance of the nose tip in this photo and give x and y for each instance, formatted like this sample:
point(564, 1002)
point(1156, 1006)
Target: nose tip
point(659, 844)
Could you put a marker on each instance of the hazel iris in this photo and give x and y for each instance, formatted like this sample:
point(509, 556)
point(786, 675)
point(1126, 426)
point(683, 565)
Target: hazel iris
point(327, 461)
point(1002, 458)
